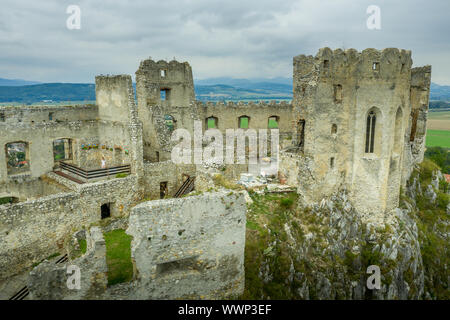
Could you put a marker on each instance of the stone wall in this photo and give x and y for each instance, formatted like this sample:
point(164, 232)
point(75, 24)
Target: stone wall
point(158, 172)
point(40, 137)
point(31, 189)
point(189, 248)
point(417, 127)
point(14, 115)
point(49, 281)
point(33, 230)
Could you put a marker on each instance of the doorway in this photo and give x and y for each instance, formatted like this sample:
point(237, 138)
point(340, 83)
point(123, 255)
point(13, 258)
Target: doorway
point(105, 210)
point(163, 190)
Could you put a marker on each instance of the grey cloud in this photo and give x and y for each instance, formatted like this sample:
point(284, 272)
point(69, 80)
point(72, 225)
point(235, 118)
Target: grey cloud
point(219, 38)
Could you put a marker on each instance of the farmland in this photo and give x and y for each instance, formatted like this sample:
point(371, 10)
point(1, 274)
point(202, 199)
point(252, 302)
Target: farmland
point(438, 129)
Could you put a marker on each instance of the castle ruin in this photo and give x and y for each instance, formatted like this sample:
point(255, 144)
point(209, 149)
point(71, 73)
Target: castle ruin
point(357, 122)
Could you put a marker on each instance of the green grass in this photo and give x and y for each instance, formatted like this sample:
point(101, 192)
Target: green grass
point(121, 175)
point(438, 138)
point(118, 256)
point(54, 255)
point(83, 245)
point(5, 200)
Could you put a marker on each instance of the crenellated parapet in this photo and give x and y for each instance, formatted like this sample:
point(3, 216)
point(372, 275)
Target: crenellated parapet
point(46, 114)
point(242, 104)
point(164, 83)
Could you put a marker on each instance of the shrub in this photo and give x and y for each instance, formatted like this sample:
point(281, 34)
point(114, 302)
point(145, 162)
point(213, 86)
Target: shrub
point(286, 202)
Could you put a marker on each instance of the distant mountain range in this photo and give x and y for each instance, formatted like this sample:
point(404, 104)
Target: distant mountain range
point(16, 82)
point(438, 92)
point(212, 89)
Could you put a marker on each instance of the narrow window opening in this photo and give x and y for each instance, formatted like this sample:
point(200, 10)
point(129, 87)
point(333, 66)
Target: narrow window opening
point(333, 128)
point(398, 129)
point(326, 63)
point(376, 66)
point(163, 73)
point(301, 134)
point(157, 156)
point(332, 162)
point(338, 93)
point(2, 117)
point(50, 116)
point(370, 132)
point(105, 210)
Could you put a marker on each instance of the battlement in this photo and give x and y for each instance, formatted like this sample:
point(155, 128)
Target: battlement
point(164, 83)
point(153, 69)
point(241, 104)
point(112, 79)
point(421, 77)
point(386, 64)
point(15, 115)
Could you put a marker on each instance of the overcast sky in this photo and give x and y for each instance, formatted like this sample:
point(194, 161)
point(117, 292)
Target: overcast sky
point(241, 39)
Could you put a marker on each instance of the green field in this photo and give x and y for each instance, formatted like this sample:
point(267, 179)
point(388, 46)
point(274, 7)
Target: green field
point(438, 138)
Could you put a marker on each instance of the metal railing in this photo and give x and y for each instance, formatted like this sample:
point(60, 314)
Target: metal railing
point(95, 173)
point(185, 188)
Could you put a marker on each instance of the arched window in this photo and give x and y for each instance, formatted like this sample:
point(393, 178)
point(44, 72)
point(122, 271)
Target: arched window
point(273, 122)
point(17, 157)
point(243, 122)
point(170, 122)
point(398, 141)
point(370, 131)
point(212, 123)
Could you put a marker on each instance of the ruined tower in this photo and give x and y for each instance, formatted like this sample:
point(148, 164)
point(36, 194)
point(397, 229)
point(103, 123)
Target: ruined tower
point(161, 86)
point(352, 116)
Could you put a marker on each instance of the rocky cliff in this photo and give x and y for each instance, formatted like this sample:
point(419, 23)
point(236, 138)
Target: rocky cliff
point(323, 252)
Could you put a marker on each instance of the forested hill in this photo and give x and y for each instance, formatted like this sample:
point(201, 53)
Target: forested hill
point(216, 89)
